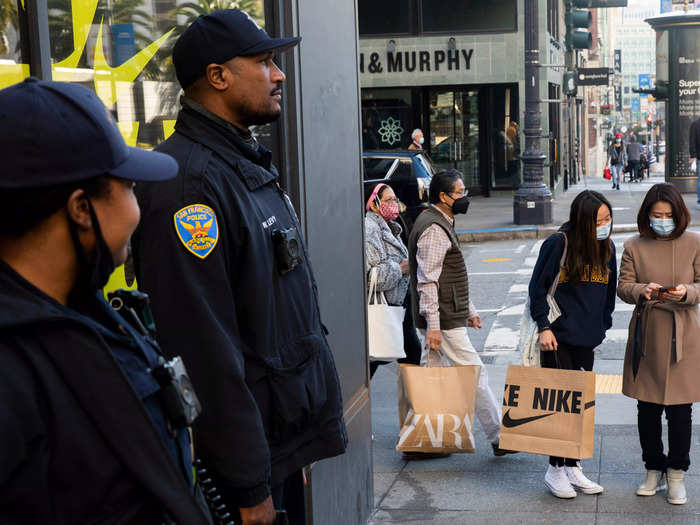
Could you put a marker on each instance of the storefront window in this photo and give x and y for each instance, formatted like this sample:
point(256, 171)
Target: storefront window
point(470, 16)
point(13, 68)
point(386, 118)
point(384, 17)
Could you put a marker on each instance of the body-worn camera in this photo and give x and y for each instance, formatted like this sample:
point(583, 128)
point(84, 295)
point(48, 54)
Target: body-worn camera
point(179, 398)
point(287, 249)
point(135, 307)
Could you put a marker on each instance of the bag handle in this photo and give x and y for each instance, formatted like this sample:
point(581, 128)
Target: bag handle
point(553, 288)
point(378, 296)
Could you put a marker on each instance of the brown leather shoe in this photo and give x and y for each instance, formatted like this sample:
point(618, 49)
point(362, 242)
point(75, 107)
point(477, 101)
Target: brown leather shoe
point(417, 456)
point(499, 452)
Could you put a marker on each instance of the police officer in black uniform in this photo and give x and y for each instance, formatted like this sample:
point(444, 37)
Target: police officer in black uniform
point(86, 432)
point(220, 252)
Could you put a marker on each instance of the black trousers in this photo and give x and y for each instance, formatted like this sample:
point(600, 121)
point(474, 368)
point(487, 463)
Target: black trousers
point(568, 357)
point(634, 169)
point(679, 419)
point(411, 343)
point(287, 496)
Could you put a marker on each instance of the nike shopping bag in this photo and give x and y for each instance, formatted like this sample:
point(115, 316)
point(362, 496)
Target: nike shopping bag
point(436, 408)
point(549, 411)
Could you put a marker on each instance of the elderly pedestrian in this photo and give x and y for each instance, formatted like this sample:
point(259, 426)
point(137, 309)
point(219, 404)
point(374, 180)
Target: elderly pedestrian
point(417, 140)
point(442, 309)
point(660, 274)
point(386, 252)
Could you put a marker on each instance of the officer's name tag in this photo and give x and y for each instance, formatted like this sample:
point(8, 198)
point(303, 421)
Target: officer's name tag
point(197, 228)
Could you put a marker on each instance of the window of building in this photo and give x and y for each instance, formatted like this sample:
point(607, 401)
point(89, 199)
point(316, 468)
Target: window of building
point(385, 17)
point(14, 59)
point(395, 17)
point(387, 118)
point(461, 16)
point(553, 18)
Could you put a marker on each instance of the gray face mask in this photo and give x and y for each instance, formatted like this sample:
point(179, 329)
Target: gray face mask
point(662, 227)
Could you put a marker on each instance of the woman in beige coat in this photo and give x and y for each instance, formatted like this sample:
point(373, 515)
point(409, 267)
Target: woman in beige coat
point(660, 274)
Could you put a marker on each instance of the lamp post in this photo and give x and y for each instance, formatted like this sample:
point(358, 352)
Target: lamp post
point(532, 203)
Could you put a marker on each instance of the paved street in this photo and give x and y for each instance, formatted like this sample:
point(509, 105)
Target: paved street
point(480, 488)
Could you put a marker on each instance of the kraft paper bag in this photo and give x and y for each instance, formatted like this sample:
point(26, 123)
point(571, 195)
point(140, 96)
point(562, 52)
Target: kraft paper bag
point(549, 411)
point(436, 408)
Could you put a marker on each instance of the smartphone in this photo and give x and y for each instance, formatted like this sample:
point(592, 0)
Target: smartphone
point(667, 289)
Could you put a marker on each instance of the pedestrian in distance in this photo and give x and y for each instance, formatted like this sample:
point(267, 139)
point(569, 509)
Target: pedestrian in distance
point(417, 140)
point(617, 160)
point(440, 302)
point(660, 274)
point(634, 158)
point(88, 435)
point(586, 297)
point(386, 252)
point(221, 252)
point(694, 147)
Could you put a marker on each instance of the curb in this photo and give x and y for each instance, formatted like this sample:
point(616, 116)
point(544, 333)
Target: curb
point(528, 232)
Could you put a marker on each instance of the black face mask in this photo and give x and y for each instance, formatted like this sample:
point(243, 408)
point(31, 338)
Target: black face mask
point(94, 272)
point(460, 206)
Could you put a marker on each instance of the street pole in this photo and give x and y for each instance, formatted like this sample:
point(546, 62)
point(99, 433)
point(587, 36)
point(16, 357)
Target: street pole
point(532, 203)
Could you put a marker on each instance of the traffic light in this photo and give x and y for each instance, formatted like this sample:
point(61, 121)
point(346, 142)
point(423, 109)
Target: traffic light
point(577, 23)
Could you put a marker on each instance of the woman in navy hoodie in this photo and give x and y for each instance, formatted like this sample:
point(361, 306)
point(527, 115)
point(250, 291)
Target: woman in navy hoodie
point(586, 297)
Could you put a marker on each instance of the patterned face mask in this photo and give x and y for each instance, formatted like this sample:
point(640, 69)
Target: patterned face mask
point(389, 210)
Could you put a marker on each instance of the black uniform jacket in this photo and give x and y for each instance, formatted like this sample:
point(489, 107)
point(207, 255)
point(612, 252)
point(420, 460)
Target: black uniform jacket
point(77, 444)
point(251, 337)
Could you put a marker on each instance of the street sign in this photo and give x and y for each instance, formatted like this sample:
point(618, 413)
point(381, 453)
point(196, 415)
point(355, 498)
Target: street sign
point(593, 76)
point(636, 105)
point(644, 83)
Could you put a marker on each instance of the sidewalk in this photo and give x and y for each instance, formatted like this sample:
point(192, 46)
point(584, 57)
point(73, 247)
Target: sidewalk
point(491, 218)
point(481, 489)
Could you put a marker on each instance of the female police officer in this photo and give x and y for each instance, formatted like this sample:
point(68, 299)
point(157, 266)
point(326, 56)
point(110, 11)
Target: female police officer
point(85, 436)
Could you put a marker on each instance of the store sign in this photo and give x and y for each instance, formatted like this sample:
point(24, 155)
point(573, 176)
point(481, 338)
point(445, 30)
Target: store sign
point(685, 102)
point(617, 65)
point(420, 61)
point(594, 76)
point(644, 83)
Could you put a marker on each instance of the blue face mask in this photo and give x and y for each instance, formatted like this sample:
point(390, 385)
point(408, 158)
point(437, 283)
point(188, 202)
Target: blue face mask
point(662, 227)
point(603, 232)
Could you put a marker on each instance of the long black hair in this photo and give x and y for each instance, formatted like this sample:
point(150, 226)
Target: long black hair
point(584, 250)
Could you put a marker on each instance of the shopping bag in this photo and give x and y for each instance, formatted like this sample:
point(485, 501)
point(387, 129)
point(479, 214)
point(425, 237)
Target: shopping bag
point(385, 325)
point(549, 411)
point(607, 174)
point(529, 341)
point(436, 408)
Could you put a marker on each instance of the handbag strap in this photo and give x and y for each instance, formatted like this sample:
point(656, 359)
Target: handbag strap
point(553, 288)
point(379, 297)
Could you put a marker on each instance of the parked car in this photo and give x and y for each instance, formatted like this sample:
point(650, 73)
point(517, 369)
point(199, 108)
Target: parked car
point(408, 173)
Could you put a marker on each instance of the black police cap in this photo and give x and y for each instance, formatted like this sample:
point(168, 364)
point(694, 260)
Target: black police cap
point(217, 38)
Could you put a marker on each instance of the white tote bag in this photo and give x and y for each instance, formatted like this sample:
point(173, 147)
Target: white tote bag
point(385, 324)
point(529, 336)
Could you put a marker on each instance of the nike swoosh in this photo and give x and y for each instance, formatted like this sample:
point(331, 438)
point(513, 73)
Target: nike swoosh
point(589, 405)
point(509, 422)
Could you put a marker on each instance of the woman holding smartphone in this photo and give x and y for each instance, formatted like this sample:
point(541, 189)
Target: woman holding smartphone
point(660, 274)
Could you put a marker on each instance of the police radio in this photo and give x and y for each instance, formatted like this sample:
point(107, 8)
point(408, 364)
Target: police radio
point(180, 401)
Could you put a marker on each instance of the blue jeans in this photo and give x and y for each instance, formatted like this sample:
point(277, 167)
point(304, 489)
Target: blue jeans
point(616, 170)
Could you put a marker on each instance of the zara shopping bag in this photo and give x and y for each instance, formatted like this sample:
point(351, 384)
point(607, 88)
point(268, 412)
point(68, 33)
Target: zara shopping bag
point(549, 411)
point(436, 408)
point(385, 324)
point(529, 342)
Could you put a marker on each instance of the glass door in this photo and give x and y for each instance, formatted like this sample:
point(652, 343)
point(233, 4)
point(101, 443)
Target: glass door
point(467, 136)
point(454, 132)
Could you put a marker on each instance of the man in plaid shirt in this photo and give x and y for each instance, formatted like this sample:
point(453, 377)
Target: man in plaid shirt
point(442, 309)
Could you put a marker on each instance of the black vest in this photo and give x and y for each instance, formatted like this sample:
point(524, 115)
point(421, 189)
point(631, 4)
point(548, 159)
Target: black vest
point(453, 285)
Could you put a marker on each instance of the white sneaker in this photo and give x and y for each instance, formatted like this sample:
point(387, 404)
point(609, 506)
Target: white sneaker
point(653, 483)
point(676, 494)
point(581, 482)
point(558, 483)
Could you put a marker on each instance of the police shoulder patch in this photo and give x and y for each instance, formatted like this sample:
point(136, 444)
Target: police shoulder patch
point(197, 228)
